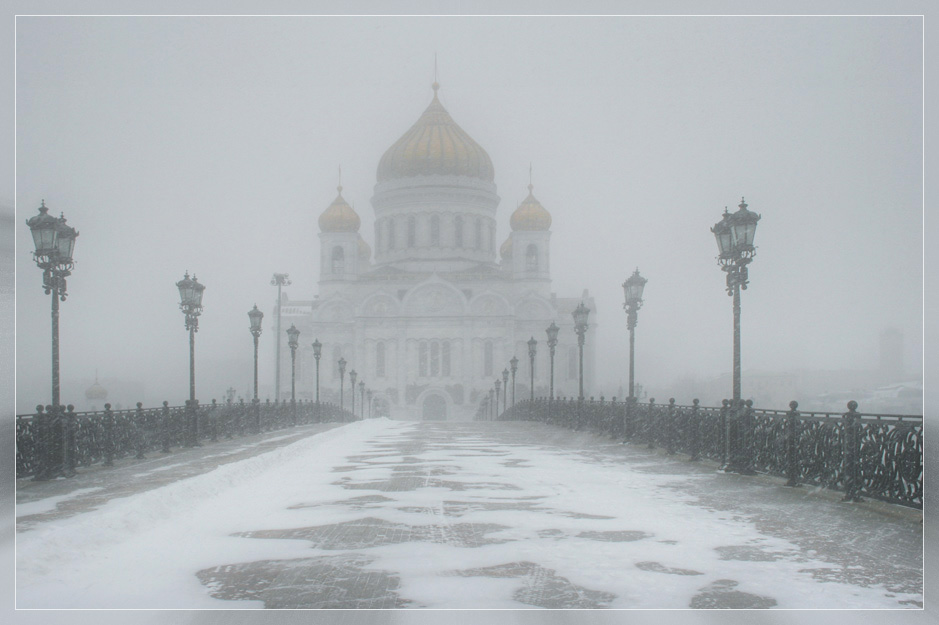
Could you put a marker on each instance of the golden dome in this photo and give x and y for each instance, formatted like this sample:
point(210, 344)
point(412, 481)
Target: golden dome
point(365, 252)
point(435, 145)
point(339, 216)
point(96, 391)
point(506, 250)
point(530, 215)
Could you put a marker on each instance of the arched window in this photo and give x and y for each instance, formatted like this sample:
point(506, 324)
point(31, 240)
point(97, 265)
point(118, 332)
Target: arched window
point(435, 230)
point(380, 360)
point(479, 233)
point(531, 257)
point(435, 359)
point(412, 231)
point(458, 232)
point(391, 233)
point(422, 359)
point(445, 358)
point(487, 358)
point(338, 260)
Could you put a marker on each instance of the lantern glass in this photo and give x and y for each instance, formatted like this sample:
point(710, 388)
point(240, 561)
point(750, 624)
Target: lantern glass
point(633, 287)
point(44, 228)
point(342, 366)
point(64, 241)
point(352, 376)
point(185, 291)
point(532, 346)
point(552, 333)
point(197, 290)
point(255, 316)
point(744, 228)
point(317, 348)
point(293, 336)
point(580, 315)
point(514, 363)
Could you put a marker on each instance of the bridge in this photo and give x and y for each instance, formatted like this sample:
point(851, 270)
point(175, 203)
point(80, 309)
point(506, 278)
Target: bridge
point(552, 505)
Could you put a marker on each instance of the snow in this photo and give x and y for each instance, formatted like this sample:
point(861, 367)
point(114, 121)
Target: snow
point(143, 551)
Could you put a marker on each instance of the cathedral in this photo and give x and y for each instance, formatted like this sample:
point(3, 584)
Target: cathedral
point(431, 317)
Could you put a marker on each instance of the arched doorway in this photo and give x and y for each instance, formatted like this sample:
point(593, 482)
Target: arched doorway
point(435, 408)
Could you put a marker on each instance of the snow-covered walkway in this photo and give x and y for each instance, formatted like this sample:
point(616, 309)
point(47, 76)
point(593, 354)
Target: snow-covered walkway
point(386, 514)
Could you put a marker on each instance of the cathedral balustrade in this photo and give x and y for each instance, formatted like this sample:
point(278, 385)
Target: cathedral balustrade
point(56, 443)
point(860, 454)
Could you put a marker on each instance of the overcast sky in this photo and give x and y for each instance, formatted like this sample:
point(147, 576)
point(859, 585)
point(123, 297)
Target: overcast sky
point(212, 145)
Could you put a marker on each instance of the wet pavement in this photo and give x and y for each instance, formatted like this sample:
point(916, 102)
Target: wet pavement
point(438, 509)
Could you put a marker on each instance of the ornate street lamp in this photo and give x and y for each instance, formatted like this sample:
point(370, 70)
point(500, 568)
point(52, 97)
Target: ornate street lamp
point(190, 303)
point(552, 332)
point(505, 385)
point(580, 315)
point(734, 234)
point(514, 364)
point(342, 380)
point(317, 352)
point(54, 242)
point(279, 280)
point(293, 341)
point(498, 388)
point(362, 397)
point(352, 376)
point(632, 289)
point(369, 404)
point(532, 348)
point(255, 316)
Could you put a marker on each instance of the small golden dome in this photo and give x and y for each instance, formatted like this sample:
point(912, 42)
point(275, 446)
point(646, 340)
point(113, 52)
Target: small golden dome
point(96, 391)
point(506, 250)
point(435, 145)
point(339, 216)
point(530, 215)
point(365, 252)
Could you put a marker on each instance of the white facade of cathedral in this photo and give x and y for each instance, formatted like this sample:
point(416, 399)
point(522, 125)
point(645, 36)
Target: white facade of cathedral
point(430, 323)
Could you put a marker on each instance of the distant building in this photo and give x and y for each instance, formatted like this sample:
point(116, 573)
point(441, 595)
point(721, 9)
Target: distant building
point(432, 319)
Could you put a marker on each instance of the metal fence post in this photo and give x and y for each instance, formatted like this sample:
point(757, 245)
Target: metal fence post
point(852, 454)
point(108, 436)
point(792, 447)
point(651, 424)
point(694, 428)
point(671, 430)
point(725, 435)
point(138, 434)
point(70, 442)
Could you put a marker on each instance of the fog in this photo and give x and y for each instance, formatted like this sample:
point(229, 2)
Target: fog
point(212, 145)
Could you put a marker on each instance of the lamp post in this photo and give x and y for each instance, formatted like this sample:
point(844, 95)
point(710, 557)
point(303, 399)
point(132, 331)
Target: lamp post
point(54, 242)
point(498, 388)
point(369, 404)
point(514, 364)
point(362, 397)
point(734, 234)
point(552, 332)
point(279, 280)
point(580, 327)
point(352, 376)
point(317, 352)
point(532, 349)
point(190, 303)
point(505, 386)
point(632, 289)
point(293, 340)
point(255, 316)
point(342, 380)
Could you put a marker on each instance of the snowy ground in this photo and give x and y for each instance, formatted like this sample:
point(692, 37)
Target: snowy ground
point(385, 514)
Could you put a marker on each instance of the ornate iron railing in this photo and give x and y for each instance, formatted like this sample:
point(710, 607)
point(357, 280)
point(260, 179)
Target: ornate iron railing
point(874, 455)
point(54, 443)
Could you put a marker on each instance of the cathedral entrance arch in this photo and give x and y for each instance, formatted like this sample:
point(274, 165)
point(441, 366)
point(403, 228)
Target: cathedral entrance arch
point(434, 408)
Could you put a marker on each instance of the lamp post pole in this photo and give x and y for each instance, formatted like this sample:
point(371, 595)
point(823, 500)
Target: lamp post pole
point(54, 242)
point(734, 234)
point(532, 349)
point(279, 280)
point(580, 315)
point(498, 387)
point(190, 303)
point(293, 337)
point(514, 364)
point(342, 380)
point(352, 376)
point(369, 403)
point(256, 316)
point(632, 289)
point(505, 387)
point(317, 352)
point(362, 398)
